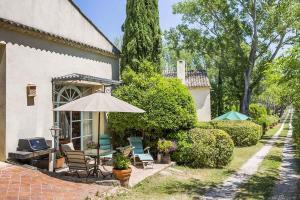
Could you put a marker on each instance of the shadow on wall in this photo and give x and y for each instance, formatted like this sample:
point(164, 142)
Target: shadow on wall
point(48, 46)
point(200, 97)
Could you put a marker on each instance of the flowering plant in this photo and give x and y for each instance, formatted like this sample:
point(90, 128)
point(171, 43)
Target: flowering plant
point(91, 145)
point(166, 146)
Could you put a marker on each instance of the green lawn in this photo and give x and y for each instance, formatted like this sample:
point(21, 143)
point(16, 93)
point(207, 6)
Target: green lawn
point(192, 181)
point(261, 184)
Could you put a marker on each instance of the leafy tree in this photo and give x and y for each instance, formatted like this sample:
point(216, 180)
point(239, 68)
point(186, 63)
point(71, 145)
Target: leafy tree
point(168, 104)
point(239, 38)
point(142, 35)
point(290, 80)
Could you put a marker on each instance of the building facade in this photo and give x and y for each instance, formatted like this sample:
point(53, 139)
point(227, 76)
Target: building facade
point(198, 84)
point(50, 54)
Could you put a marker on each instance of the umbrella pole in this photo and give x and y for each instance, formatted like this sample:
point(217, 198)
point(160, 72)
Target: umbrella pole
point(98, 149)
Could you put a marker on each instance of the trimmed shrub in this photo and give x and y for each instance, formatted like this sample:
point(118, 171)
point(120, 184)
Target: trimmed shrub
point(168, 104)
point(203, 148)
point(259, 115)
point(204, 125)
point(272, 120)
point(243, 133)
point(257, 111)
point(224, 147)
point(296, 129)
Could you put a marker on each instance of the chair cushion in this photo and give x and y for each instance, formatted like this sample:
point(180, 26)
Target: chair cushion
point(137, 143)
point(105, 142)
point(145, 157)
point(67, 147)
point(107, 156)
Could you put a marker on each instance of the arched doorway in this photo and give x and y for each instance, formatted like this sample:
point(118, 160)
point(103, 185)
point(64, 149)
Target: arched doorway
point(76, 126)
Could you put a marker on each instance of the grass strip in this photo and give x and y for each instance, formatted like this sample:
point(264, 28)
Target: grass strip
point(261, 184)
point(192, 181)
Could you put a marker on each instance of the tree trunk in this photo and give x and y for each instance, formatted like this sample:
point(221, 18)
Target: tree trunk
point(252, 58)
point(245, 101)
point(220, 94)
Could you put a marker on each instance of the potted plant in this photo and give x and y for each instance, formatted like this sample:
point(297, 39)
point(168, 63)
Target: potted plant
point(121, 169)
point(165, 147)
point(91, 145)
point(60, 159)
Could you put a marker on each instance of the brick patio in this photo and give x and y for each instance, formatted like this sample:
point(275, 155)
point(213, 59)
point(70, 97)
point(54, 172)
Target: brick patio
point(20, 183)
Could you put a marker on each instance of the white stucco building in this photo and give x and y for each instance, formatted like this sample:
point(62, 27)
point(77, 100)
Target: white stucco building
point(199, 87)
point(50, 54)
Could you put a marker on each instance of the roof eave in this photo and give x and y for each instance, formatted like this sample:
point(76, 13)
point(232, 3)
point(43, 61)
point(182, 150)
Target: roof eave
point(35, 32)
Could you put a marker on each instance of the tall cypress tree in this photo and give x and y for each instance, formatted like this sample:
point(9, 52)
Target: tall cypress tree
point(142, 34)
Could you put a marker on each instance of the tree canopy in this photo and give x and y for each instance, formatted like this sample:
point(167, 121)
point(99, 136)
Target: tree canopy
point(237, 40)
point(142, 34)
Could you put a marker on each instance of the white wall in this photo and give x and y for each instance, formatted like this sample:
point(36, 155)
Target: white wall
point(201, 97)
point(55, 16)
point(2, 100)
point(30, 60)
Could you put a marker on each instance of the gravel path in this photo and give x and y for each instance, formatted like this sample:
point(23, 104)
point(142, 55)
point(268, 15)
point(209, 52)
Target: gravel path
point(228, 189)
point(286, 187)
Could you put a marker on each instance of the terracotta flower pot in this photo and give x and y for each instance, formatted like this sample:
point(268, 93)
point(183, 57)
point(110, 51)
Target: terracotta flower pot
point(122, 175)
point(60, 162)
point(166, 159)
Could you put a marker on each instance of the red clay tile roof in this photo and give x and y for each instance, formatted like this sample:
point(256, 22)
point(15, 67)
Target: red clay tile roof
point(193, 78)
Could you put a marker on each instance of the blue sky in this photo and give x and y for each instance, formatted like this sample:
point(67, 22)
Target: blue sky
point(109, 15)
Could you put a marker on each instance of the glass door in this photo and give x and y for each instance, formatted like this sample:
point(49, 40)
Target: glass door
point(76, 126)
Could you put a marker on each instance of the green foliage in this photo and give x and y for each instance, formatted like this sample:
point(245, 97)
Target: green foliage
point(168, 104)
point(272, 120)
point(259, 115)
point(142, 34)
point(236, 45)
point(203, 148)
point(243, 133)
point(166, 146)
point(224, 147)
point(59, 155)
point(257, 111)
point(120, 162)
point(204, 125)
point(290, 65)
point(296, 129)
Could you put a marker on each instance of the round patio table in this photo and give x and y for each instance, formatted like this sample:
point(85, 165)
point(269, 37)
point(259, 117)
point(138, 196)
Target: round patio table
point(94, 154)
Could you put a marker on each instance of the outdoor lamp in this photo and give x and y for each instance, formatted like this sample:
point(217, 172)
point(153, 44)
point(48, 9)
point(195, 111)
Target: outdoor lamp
point(55, 134)
point(55, 131)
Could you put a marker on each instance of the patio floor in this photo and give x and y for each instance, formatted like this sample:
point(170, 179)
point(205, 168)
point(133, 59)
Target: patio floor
point(21, 183)
point(139, 174)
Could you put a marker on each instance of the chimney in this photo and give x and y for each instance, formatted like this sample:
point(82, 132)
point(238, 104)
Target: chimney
point(181, 70)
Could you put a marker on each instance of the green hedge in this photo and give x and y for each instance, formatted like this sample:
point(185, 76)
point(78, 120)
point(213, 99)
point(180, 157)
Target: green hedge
point(257, 111)
point(203, 148)
point(243, 133)
point(259, 115)
point(296, 129)
point(272, 120)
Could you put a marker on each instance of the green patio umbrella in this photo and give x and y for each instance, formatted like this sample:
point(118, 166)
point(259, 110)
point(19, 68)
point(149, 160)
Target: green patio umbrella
point(232, 115)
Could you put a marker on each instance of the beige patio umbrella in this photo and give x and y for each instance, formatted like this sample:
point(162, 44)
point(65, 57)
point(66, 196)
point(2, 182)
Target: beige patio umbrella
point(99, 102)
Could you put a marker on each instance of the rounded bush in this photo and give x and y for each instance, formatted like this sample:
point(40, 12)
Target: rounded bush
point(257, 111)
point(243, 133)
point(224, 147)
point(168, 104)
point(203, 148)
